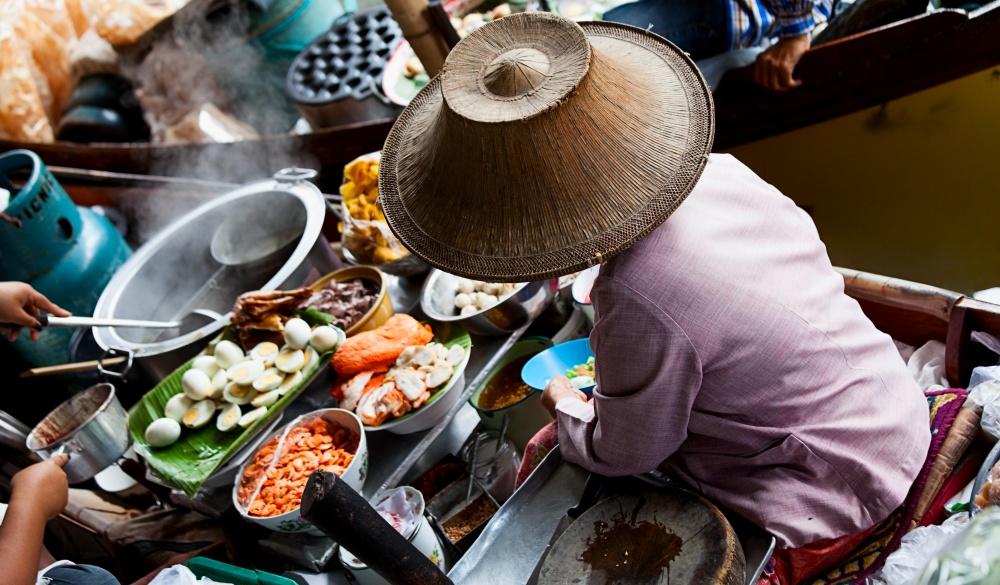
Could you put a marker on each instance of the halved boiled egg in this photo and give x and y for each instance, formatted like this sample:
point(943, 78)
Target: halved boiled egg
point(297, 333)
point(312, 358)
point(198, 415)
point(227, 354)
point(252, 416)
point(290, 360)
point(246, 372)
point(228, 417)
point(265, 398)
point(291, 381)
point(269, 380)
point(238, 393)
point(219, 381)
point(265, 352)
point(196, 384)
point(177, 406)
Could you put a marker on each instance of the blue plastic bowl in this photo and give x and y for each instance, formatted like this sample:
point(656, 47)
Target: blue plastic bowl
point(555, 361)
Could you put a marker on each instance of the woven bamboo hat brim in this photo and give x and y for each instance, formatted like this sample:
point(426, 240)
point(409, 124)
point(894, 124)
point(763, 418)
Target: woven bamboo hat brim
point(545, 147)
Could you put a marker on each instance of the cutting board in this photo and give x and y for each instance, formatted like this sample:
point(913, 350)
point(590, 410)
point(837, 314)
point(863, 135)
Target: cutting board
point(670, 537)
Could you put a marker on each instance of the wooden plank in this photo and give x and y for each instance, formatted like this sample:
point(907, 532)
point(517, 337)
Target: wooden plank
point(968, 316)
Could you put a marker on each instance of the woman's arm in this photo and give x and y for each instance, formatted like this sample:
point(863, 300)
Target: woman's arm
point(38, 494)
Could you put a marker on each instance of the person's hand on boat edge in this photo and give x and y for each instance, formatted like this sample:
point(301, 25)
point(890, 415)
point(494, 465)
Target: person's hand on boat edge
point(19, 303)
point(557, 389)
point(775, 66)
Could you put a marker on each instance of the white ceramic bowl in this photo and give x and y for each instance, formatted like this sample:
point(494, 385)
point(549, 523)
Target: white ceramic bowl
point(422, 537)
point(429, 415)
point(354, 475)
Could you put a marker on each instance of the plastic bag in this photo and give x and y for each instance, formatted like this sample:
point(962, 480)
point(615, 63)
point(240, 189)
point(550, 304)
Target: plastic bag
point(366, 234)
point(970, 557)
point(903, 566)
point(181, 575)
point(25, 95)
point(984, 391)
point(122, 22)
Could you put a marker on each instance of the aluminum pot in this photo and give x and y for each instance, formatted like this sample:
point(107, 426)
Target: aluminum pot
point(91, 428)
point(174, 274)
point(527, 302)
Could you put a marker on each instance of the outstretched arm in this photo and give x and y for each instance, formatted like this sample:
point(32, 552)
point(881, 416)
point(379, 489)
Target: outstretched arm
point(38, 494)
point(796, 20)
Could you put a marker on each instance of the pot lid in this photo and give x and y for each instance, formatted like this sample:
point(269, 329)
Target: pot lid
point(174, 273)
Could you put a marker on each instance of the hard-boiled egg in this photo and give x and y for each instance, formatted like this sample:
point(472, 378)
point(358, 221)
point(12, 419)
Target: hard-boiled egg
point(238, 394)
point(324, 339)
point(246, 372)
point(228, 417)
point(177, 406)
point(196, 384)
point(206, 363)
point(252, 416)
point(198, 415)
point(269, 380)
point(291, 381)
point(162, 432)
point(265, 398)
point(265, 352)
point(219, 381)
point(297, 333)
point(311, 357)
point(227, 354)
point(290, 360)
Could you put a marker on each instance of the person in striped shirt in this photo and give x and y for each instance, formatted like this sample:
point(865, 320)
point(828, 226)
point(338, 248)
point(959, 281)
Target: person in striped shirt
point(705, 28)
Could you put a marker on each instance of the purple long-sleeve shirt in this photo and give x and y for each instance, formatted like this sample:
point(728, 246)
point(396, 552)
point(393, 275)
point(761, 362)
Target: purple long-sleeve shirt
point(729, 355)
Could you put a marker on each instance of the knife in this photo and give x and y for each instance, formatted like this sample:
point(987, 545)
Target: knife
point(50, 321)
point(592, 492)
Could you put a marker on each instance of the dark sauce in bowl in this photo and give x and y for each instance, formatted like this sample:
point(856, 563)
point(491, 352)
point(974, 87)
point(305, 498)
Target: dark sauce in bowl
point(506, 387)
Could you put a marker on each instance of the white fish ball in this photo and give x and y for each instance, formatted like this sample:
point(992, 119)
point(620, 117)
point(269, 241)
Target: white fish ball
point(462, 300)
point(466, 286)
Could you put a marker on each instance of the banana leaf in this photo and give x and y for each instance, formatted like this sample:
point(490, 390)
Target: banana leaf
point(199, 452)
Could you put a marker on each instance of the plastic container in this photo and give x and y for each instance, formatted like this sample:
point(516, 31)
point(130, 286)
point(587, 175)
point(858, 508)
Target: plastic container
point(226, 573)
point(67, 253)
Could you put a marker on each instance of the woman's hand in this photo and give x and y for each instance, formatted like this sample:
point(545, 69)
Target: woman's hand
point(774, 67)
point(42, 486)
point(19, 304)
point(557, 389)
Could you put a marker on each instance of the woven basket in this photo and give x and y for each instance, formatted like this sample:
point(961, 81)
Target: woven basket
point(545, 147)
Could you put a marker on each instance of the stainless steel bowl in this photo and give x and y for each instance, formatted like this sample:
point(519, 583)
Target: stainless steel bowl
point(528, 301)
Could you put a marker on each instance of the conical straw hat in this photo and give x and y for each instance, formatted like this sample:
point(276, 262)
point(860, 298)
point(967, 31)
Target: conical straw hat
point(545, 147)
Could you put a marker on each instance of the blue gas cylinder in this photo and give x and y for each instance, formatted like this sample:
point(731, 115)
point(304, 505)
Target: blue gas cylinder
point(68, 253)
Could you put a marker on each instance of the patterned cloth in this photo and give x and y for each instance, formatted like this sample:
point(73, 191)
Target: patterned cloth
point(752, 21)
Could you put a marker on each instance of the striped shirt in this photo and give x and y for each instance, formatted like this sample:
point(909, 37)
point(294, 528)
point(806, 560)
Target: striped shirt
point(752, 21)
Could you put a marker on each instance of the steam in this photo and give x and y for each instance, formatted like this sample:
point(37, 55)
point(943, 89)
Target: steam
point(209, 59)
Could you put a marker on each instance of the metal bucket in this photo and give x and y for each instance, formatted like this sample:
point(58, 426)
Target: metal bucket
point(91, 428)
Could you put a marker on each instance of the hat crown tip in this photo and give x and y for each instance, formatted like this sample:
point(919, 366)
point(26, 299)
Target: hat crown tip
point(516, 72)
